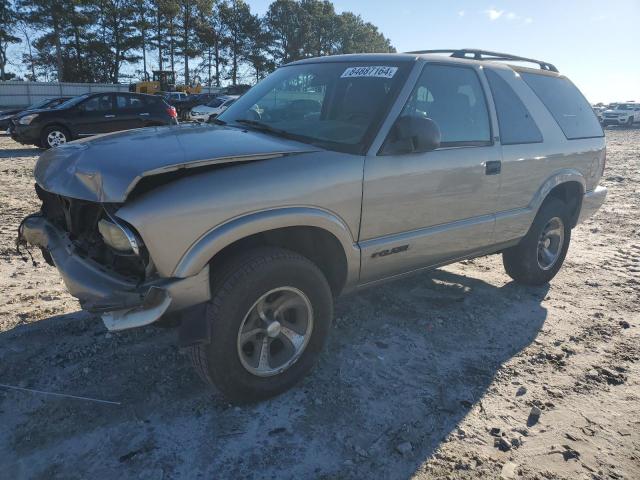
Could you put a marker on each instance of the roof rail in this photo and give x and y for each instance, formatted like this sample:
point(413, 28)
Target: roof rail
point(473, 54)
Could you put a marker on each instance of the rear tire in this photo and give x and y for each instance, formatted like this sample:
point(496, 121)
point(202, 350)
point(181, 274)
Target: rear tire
point(278, 294)
point(54, 136)
point(540, 254)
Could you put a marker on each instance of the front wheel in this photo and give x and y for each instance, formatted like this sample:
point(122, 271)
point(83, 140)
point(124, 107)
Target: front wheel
point(54, 136)
point(269, 319)
point(539, 255)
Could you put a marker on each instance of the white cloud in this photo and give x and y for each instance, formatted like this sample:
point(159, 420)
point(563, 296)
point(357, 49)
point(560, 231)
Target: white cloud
point(461, 13)
point(493, 13)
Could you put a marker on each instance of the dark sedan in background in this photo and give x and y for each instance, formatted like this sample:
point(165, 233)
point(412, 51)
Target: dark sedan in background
point(91, 114)
point(48, 103)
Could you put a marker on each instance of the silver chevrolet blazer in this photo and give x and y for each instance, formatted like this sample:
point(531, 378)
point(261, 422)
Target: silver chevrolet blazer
point(330, 175)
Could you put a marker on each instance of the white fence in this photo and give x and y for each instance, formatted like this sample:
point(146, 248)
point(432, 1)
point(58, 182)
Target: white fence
point(21, 94)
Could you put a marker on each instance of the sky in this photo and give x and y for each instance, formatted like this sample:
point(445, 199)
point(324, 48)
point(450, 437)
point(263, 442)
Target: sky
point(595, 43)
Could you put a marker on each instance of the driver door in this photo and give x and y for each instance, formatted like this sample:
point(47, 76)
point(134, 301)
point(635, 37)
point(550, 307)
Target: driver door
point(425, 209)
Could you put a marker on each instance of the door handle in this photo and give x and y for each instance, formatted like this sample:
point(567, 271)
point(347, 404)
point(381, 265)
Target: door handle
point(492, 167)
point(109, 116)
point(143, 114)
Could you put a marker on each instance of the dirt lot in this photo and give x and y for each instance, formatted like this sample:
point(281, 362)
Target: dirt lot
point(416, 375)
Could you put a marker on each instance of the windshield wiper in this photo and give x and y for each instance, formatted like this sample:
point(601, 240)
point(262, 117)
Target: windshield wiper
point(263, 127)
point(266, 128)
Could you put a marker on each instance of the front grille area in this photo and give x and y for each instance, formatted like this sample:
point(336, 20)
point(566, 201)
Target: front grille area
point(79, 218)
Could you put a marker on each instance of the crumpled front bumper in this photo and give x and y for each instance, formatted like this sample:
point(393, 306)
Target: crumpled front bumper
point(122, 304)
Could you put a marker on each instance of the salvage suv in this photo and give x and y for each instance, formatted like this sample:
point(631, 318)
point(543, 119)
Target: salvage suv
point(330, 175)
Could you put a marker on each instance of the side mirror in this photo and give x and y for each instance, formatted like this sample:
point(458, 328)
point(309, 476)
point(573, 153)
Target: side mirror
point(412, 134)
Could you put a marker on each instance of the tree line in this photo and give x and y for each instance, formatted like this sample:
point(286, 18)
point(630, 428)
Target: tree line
point(212, 40)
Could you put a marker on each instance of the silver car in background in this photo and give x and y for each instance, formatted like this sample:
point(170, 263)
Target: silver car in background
point(331, 175)
point(202, 113)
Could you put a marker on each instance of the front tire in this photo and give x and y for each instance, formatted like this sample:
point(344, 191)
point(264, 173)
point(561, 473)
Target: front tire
point(539, 255)
point(54, 136)
point(269, 319)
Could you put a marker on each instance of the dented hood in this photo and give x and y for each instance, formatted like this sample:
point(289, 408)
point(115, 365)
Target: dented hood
point(106, 168)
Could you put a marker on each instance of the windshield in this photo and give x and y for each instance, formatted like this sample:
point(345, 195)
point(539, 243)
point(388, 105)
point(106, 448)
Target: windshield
point(625, 106)
point(216, 102)
point(338, 105)
point(40, 104)
point(73, 101)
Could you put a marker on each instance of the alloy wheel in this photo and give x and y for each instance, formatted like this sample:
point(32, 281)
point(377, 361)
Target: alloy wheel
point(56, 138)
point(275, 331)
point(550, 243)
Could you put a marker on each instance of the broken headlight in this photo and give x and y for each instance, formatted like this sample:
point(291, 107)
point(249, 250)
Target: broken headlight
point(27, 119)
point(119, 237)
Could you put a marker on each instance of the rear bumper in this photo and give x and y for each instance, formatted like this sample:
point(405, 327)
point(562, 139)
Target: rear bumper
point(123, 304)
point(591, 202)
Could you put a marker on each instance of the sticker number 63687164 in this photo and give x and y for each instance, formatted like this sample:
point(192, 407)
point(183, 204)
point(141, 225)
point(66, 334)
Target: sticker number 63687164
point(379, 71)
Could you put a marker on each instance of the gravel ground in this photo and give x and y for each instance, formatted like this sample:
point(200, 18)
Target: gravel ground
point(441, 375)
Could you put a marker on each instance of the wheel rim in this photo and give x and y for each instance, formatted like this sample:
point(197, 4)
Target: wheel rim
point(55, 138)
point(550, 243)
point(275, 331)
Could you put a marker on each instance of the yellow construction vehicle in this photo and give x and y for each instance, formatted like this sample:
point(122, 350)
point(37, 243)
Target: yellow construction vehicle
point(163, 81)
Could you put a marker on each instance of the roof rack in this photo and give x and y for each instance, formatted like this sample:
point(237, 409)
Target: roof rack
point(473, 54)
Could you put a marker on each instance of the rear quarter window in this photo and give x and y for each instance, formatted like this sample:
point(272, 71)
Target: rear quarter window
point(515, 122)
point(154, 102)
point(566, 104)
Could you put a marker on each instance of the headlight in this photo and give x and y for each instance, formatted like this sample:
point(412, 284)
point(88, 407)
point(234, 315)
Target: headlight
point(118, 237)
point(27, 119)
point(197, 112)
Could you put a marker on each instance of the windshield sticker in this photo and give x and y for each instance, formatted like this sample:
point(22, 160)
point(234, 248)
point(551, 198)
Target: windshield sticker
point(378, 72)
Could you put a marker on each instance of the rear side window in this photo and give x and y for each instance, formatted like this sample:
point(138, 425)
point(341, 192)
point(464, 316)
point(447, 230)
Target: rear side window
point(453, 98)
point(515, 121)
point(155, 102)
point(567, 105)
point(100, 103)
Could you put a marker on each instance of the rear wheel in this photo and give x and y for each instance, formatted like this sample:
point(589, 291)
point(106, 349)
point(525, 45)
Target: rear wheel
point(539, 255)
point(54, 136)
point(269, 319)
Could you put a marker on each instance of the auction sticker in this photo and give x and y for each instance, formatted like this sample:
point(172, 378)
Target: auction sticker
point(379, 72)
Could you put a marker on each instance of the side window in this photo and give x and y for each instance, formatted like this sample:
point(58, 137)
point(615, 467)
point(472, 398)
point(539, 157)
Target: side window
point(515, 121)
point(101, 103)
point(122, 102)
point(128, 102)
point(153, 102)
point(452, 97)
point(135, 102)
point(566, 104)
